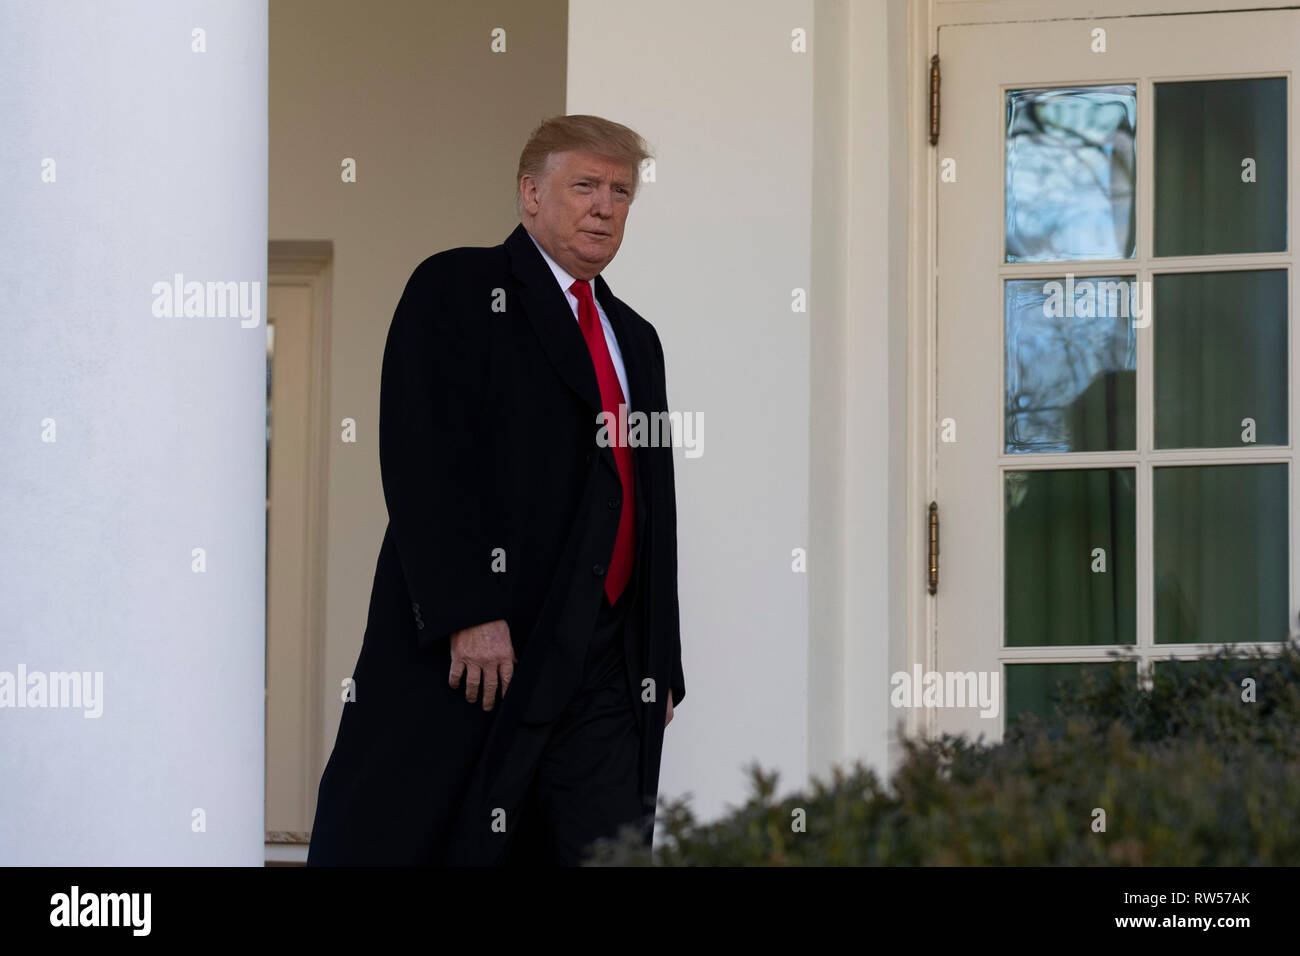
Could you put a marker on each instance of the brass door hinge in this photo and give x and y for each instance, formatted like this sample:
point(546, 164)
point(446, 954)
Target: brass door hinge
point(934, 547)
point(934, 100)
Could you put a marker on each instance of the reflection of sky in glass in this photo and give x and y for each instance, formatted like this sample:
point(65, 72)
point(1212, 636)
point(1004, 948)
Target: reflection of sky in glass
point(1070, 166)
point(1071, 379)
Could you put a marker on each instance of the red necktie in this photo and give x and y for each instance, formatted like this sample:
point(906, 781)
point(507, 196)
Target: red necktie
point(611, 396)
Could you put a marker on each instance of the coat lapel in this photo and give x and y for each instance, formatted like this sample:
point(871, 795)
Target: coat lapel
point(548, 311)
point(552, 320)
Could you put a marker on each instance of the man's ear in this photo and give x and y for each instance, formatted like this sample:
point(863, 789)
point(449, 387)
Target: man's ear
point(528, 193)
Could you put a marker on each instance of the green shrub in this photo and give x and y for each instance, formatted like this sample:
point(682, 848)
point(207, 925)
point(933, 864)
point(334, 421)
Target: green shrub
point(1188, 774)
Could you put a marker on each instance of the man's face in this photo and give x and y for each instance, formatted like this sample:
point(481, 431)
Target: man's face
point(576, 212)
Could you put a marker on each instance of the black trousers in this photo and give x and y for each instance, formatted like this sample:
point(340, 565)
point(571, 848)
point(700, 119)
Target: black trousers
point(586, 762)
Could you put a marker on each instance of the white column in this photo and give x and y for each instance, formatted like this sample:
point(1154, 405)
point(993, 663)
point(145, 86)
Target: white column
point(132, 438)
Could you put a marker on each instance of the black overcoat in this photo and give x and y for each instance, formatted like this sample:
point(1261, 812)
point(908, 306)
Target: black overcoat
point(502, 504)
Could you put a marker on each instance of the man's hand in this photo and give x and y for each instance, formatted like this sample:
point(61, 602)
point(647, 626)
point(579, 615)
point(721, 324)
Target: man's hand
point(669, 719)
point(481, 653)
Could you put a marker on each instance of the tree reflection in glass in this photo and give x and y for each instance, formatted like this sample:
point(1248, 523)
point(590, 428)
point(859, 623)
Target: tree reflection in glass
point(1070, 162)
point(1071, 365)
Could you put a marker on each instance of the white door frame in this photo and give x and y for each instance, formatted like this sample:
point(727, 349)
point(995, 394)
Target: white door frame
point(925, 19)
point(310, 264)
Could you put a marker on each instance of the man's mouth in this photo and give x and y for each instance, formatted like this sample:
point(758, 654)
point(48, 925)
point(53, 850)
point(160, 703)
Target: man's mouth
point(592, 232)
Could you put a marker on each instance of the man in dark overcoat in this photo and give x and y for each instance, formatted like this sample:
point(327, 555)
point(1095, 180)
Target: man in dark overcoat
point(522, 652)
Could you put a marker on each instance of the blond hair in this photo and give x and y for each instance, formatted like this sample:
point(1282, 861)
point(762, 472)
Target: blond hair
point(592, 134)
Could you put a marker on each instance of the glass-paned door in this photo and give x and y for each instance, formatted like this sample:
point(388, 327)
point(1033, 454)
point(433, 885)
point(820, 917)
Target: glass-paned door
point(1115, 357)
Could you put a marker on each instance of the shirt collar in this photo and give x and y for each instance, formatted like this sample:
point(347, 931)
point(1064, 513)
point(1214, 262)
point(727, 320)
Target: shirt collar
point(563, 278)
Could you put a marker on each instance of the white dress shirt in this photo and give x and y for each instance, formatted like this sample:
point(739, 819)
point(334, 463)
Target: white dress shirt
point(565, 280)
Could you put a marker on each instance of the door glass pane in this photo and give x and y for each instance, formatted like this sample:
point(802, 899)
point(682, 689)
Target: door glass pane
point(1070, 557)
point(1221, 560)
point(1071, 361)
point(1229, 672)
point(1070, 161)
point(1221, 359)
point(1221, 178)
point(1030, 687)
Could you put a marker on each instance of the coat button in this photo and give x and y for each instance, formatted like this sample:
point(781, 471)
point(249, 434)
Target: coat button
point(614, 504)
point(420, 625)
point(590, 455)
point(598, 569)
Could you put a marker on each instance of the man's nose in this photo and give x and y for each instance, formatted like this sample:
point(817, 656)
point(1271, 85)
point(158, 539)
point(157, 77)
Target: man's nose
point(603, 203)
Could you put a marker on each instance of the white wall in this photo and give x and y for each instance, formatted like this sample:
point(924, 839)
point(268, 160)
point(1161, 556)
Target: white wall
point(161, 168)
point(776, 170)
point(828, 452)
point(435, 120)
point(858, 385)
point(711, 253)
point(877, 516)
